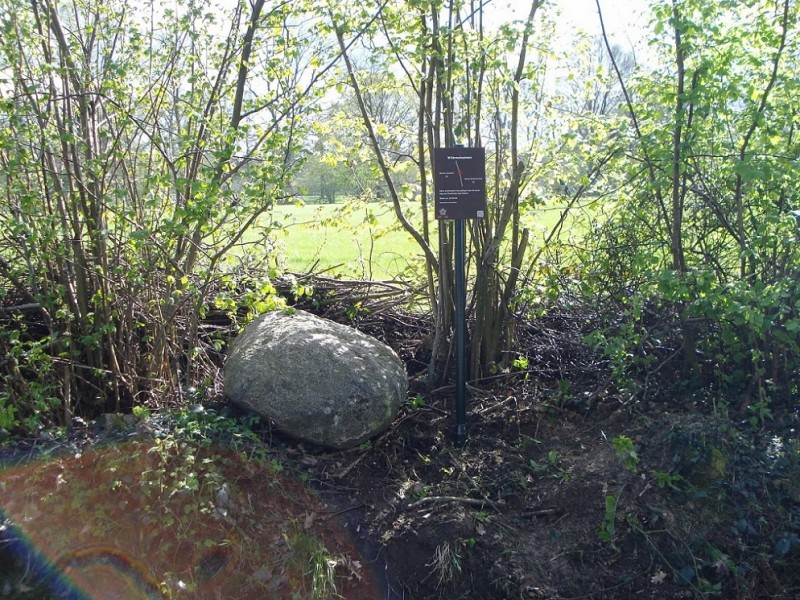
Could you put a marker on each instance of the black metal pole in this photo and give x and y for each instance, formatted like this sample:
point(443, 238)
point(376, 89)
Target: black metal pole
point(461, 332)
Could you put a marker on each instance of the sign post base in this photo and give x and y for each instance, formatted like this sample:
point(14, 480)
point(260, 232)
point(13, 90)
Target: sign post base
point(460, 291)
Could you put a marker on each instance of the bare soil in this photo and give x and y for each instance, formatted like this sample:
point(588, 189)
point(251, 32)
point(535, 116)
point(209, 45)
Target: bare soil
point(518, 511)
point(569, 487)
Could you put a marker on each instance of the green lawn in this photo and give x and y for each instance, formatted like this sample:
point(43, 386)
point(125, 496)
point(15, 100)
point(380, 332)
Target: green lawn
point(365, 240)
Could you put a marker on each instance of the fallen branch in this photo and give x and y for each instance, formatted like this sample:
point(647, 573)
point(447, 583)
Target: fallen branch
point(21, 307)
point(542, 512)
point(341, 512)
point(479, 502)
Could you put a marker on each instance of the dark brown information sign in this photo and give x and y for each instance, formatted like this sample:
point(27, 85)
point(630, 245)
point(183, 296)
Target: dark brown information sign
point(460, 181)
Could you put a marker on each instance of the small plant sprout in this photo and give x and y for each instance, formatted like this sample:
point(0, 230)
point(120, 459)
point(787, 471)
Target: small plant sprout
point(552, 465)
point(141, 412)
point(608, 528)
point(445, 565)
point(323, 574)
point(417, 402)
point(626, 452)
point(306, 551)
point(667, 480)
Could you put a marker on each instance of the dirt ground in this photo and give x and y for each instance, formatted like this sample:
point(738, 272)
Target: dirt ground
point(569, 487)
point(566, 488)
point(522, 510)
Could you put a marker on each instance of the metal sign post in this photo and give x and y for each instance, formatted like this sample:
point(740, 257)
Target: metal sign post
point(461, 332)
point(460, 181)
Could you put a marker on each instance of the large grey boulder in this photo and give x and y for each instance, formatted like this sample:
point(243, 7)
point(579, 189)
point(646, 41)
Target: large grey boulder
point(317, 380)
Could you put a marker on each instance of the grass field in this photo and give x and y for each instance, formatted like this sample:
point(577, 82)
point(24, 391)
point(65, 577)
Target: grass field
point(363, 240)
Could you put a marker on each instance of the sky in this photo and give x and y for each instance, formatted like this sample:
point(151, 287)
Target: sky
point(625, 20)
